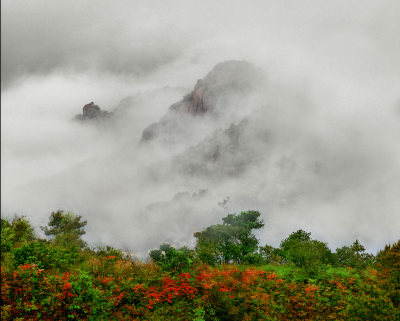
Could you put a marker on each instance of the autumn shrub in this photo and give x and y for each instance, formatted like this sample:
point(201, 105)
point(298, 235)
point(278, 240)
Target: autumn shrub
point(388, 264)
point(206, 293)
point(372, 302)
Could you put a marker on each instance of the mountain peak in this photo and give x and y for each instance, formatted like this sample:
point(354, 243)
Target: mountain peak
point(213, 94)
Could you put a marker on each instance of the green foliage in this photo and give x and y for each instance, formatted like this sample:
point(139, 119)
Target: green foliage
point(66, 229)
point(371, 303)
point(389, 258)
point(216, 245)
point(171, 259)
point(45, 256)
point(388, 263)
point(306, 253)
point(6, 237)
point(109, 251)
point(89, 299)
point(49, 281)
point(231, 241)
point(353, 256)
point(15, 233)
point(224, 293)
point(268, 254)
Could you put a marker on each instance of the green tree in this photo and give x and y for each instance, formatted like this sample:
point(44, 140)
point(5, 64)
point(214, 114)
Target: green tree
point(353, 255)
point(66, 229)
point(232, 241)
point(269, 254)
point(306, 253)
point(15, 233)
point(171, 259)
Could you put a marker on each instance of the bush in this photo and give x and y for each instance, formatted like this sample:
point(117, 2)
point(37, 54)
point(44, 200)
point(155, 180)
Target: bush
point(109, 251)
point(15, 233)
point(45, 256)
point(370, 303)
point(388, 264)
point(171, 259)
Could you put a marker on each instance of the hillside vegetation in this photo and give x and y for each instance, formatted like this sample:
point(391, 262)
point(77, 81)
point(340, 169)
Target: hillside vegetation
point(227, 276)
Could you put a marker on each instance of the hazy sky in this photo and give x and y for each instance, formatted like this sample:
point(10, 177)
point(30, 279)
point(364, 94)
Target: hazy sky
point(334, 79)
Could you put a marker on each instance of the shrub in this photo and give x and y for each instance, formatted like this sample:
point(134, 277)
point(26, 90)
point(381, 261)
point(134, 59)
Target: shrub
point(45, 256)
point(388, 263)
point(171, 259)
point(15, 233)
point(109, 251)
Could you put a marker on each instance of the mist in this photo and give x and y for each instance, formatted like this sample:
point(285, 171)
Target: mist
point(313, 147)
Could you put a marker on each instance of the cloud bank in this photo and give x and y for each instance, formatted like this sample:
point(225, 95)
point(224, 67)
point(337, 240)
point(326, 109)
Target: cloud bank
point(318, 144)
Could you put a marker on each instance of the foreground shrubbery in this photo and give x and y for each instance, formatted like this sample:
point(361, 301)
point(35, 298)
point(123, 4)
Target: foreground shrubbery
point(135, 291)
point(57, 280)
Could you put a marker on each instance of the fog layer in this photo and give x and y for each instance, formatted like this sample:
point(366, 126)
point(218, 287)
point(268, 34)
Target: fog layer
point(314, 145)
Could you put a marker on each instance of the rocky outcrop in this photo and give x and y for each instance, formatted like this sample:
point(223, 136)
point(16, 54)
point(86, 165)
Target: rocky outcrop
point(91, 112)
point(213, 95)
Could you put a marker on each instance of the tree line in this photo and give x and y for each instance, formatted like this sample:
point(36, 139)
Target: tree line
point(232, 241)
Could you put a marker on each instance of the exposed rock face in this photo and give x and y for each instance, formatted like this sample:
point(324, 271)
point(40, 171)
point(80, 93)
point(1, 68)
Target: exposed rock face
point(214, 94)
point(225, 80)
point(92, 111)
point(195, 103)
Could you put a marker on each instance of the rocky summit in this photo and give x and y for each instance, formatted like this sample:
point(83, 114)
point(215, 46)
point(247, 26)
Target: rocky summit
point(213, 94)
point(91, 112)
